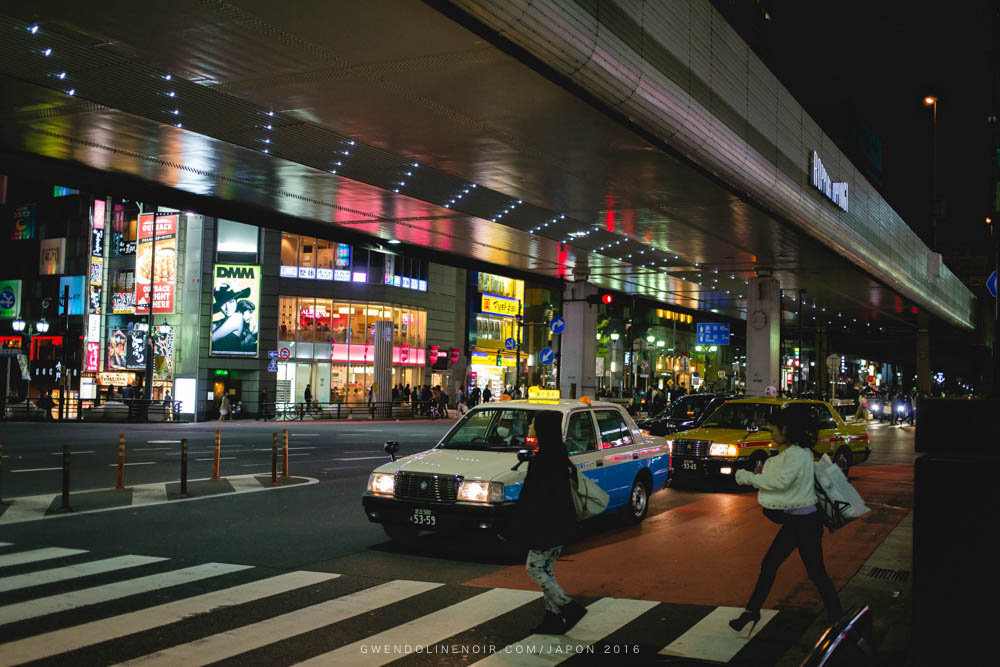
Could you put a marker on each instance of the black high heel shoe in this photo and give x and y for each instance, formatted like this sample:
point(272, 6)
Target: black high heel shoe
point(738, 624)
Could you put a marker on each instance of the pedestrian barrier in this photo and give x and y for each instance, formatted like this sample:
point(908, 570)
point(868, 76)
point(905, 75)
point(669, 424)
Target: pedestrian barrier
point(345, 411)
point(284, 469)
point(65, 481)
point(93, 410)
point(184, 470)
point(218, 456)
point(274, 460)
point(121, 462)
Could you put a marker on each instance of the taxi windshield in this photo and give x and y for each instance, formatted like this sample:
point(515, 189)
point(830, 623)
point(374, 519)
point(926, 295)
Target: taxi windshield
point(492, 429)
point(688, 407)
point(739, 415)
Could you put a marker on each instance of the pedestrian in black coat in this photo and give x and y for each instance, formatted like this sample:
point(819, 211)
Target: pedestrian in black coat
point(547, 519)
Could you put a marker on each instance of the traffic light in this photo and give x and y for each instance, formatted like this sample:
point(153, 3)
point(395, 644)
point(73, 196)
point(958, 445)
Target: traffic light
point(607, 299)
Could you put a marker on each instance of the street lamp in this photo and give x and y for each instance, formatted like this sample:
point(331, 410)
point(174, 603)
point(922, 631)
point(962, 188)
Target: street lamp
point(615, 335)
point(931, 101)
point(42, 326)
point(18, 324)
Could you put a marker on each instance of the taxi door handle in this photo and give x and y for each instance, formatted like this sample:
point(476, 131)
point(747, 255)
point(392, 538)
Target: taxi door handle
point(599, 464)
point(635, 456)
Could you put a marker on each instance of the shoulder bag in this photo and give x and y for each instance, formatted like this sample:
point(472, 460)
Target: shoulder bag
point(588, 498)
point(837, 501)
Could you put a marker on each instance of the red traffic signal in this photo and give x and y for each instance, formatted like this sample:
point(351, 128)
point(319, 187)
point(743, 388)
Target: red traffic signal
point(607, 299)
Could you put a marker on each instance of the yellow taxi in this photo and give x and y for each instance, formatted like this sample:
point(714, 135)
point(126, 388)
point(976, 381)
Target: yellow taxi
point(737, 436)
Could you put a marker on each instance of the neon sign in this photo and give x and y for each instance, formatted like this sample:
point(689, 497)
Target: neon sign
point(835, 192)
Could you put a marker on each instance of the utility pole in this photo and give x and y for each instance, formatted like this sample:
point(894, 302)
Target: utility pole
point(63, 394)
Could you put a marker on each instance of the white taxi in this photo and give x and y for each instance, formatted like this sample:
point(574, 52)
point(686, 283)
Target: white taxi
point(471, 479)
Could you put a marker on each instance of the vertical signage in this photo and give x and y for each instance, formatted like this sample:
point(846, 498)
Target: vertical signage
point(52, 257)
point(161, 277)
point(24, 223)
point(77, 286)
point(10, 297)
point(93, 356)
point(235, 321)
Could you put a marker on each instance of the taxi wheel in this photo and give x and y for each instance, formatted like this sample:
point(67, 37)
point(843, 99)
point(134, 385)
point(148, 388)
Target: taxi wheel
point(843, 459)
point(400, 533)
point(638, 501)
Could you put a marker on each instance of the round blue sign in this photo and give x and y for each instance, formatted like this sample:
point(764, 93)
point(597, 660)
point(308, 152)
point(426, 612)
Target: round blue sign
point(510, 344)
point(546, 356)
point(8, 299)
point(557, 325)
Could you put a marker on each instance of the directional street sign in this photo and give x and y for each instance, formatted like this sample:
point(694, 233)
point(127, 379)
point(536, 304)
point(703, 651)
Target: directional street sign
point(272, 354)
point(557, 325)
point(510, 344)
point(546, 356)
point(991, 283)
point(272, 366)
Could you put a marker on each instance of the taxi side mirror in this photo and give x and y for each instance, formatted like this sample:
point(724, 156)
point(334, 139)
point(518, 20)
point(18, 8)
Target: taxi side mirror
point(752, 427)
point(523, 456)
point(391, 447)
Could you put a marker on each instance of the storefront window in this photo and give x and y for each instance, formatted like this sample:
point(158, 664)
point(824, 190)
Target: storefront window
point(286, 319)
point(289, 254)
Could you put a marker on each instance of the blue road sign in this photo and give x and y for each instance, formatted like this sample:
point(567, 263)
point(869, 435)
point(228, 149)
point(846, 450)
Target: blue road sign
point(546, 356)
point(8, 299)
point(991, 283)
point(557, 325)
point(272, 354)
point(273, 366)
point(510, 344)
point(713, 333)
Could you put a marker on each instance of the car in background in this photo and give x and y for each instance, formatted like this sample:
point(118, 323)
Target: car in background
point(683, 414)
point(471, 480)
point(737, 436)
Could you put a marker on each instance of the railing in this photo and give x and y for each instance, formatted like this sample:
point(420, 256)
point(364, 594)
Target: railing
point(92, 410)
point(359, 410)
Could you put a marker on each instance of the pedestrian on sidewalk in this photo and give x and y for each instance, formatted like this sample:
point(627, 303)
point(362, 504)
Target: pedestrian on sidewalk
point(225, 410)
point(788, 497)
point(546, 518)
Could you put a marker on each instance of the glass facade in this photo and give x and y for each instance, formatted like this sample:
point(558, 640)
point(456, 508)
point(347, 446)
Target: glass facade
point(332, 351)
point(319, 259)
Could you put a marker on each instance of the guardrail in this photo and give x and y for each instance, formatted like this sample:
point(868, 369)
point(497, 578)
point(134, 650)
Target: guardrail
point(343, 411)
point(94, 410)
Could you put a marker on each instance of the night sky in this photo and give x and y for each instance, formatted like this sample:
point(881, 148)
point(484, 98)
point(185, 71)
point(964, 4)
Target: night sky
point(875, 61)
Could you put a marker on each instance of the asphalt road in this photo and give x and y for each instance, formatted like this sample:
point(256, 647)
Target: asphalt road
point(320, 528)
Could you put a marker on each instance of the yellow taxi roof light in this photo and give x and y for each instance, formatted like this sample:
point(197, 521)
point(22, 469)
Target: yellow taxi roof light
point(538, 392)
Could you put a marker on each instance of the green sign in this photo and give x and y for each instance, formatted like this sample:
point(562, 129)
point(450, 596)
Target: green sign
point(221, 371)
point(10, 298)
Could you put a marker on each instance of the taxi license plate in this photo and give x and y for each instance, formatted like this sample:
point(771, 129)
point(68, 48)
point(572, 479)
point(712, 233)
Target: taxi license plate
point(421, 517)
point(689, 465)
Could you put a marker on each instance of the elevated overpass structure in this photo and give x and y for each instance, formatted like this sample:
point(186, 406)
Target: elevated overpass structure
point(639, 147)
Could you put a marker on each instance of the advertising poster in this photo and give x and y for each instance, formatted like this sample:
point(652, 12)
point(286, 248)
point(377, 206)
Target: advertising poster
point(162, 276)
point(93, 354)
point(24, 223)
point(52, 258)
point(163, 353)
point(127, 348)
point(97, 228)
point(235, 297)
point(10, 297)
point(77, 285)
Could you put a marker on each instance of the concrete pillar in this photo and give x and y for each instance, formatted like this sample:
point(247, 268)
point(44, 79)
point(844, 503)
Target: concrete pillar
point(578, 347)
point(822, 382)
point(382, 368)
point(763, 335)
point(923, 356)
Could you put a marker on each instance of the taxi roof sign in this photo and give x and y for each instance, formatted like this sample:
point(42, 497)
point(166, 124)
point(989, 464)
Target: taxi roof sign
point(538, 392)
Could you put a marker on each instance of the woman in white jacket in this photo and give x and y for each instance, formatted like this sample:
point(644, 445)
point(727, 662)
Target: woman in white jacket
point(788, 498)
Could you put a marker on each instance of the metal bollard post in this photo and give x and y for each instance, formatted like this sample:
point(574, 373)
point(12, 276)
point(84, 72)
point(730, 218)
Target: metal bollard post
point(1, 472)
point(218, 456)
point(184, 469)
point(65, 481)
point(121, 462)
point(274, 461)
point(284, 469)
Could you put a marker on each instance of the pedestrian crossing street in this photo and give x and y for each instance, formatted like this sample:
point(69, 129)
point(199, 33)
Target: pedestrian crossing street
point(72, 606)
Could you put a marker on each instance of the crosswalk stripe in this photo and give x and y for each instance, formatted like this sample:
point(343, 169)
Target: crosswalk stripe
point(74, 571)
point(711, 638)
point(428, 629)
point(35, 555)
point(249, 637)
point(55, 603)
point(6, 544)
point(95, 632)
point(603, 617)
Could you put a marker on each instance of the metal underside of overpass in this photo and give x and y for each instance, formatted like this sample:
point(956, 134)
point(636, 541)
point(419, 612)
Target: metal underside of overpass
point(393, 119)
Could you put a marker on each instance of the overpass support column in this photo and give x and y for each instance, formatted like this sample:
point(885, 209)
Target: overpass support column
point(923, 356)
point(763, 335)
point(577, 347)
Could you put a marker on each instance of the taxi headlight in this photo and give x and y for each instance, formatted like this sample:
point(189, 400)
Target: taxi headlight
point(382, 483)
point(722, 449)
point(476, 491)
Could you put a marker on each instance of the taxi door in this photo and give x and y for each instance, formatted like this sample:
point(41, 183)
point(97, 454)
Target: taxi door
point(618, 463)
point(583, 446)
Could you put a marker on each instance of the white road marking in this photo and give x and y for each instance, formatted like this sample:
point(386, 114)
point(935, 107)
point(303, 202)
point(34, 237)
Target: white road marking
point(71, 453)
point(6, 544)
point(221, 458)
point(162, 442)
point(73, 571)
point(35, 555)
point(361, 458)
point(152, 449)
point(280, 448)
point(249, 637)
point(20, 611)
point(711, 638)
point(304, 435)
point(603, 617)
point(137, 463)
point(36, 469)
point(430, 629)
point(95, 632)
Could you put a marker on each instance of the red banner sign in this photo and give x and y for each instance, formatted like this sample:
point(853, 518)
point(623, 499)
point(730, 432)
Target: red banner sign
point(163, 275)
